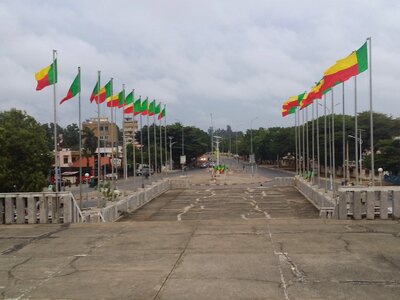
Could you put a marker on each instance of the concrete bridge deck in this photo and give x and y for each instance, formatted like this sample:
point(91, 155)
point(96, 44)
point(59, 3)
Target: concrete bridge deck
point(205, 243)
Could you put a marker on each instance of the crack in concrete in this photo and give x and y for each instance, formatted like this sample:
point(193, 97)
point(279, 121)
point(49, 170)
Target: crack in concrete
point(371, 282)
point(20, 246)
point(299, 274)
point(177, 262)
point(61, 268)
point(392, 263)
point(283, 281)
point(11, 277)
point(346, 243)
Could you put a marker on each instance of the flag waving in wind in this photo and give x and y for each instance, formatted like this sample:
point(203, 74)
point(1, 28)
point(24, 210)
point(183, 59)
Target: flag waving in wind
point(100, 95)
point(46, 76)
point(345, 68)
point(74, 89)
point(162, 114)
point(137, 107)
point(152, 108)
point(128, 108)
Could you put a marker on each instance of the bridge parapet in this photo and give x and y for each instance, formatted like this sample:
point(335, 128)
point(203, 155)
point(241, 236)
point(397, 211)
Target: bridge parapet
point(368, 202)
point(353, 202)
point(45, 207)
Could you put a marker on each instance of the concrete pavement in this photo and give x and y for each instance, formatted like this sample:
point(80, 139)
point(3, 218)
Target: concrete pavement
point(212, 241)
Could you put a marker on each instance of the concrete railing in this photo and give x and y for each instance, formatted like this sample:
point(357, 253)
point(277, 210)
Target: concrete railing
point(351, 202)
point(368, 202)
point(321, 201)
point(316, 196)
point(32, 208)
point(283, 181)
point(181, 182)
point(131, 202)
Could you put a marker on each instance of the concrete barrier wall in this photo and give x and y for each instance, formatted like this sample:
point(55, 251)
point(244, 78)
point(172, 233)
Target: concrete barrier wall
point(32, 208)
point(284, 181)
point(352, 202)
point(317, 197)
point(368, 202)
point(133, 202)
point(179, 183)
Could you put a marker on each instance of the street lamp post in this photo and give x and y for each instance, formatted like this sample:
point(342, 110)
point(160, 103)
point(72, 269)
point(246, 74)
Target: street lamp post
point(212, 139)
point(183, 147)
point(170, 152)
point(87, 188)
point(360, 141)
point(252, 159)
point(380, 171)
point(217, 141)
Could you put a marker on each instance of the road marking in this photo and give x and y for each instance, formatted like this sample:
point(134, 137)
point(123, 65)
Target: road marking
point(283, 281)
point(185, 210)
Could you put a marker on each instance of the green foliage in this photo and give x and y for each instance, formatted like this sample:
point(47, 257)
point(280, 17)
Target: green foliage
point(268, 144)
point(89, 140)
point(71, 137)
point(196, 142)
point(387, 157)
point(108, 193)
point(25, 159)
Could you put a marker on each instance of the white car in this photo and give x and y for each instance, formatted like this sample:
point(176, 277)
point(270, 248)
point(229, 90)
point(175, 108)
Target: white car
point(109, 176)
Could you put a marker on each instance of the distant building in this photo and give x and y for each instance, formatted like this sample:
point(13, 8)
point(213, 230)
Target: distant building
point(108, 131)
point(67, 157)
point(129, 128)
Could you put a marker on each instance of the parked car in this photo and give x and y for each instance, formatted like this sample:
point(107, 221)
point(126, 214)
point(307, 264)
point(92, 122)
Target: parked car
point(204, 165)
point(110, 175)
point(145, 170)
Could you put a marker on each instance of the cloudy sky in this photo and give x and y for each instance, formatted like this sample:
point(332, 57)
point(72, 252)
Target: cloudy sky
point(235, 59)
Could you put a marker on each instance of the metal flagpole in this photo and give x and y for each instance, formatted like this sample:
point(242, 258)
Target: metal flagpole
point(161, 158)
point(148, 142)
point(312, 141)
point(124, 138)
point(155, 140)
point(356, 128)
point(295, 140)
point(56, 168)
point(98, 132)
point(141, 145)
point(304, 144)
point(344, 136)
point(333, 146)
point(112, 139)
point(133, 138)
point(165, 135)
point(325, 145)
point(116, 143)
point(299, 140)
point(307, 145)
point(329, 145)
point(318, 157)
point(371, 114)
point(80, 141)
point(212, 138)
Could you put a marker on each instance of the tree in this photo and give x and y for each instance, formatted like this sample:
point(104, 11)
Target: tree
point(71, 137)
point(196, 143)
point(49, 132)
point(25, 158)
point(89, 144)
point(387, 157)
